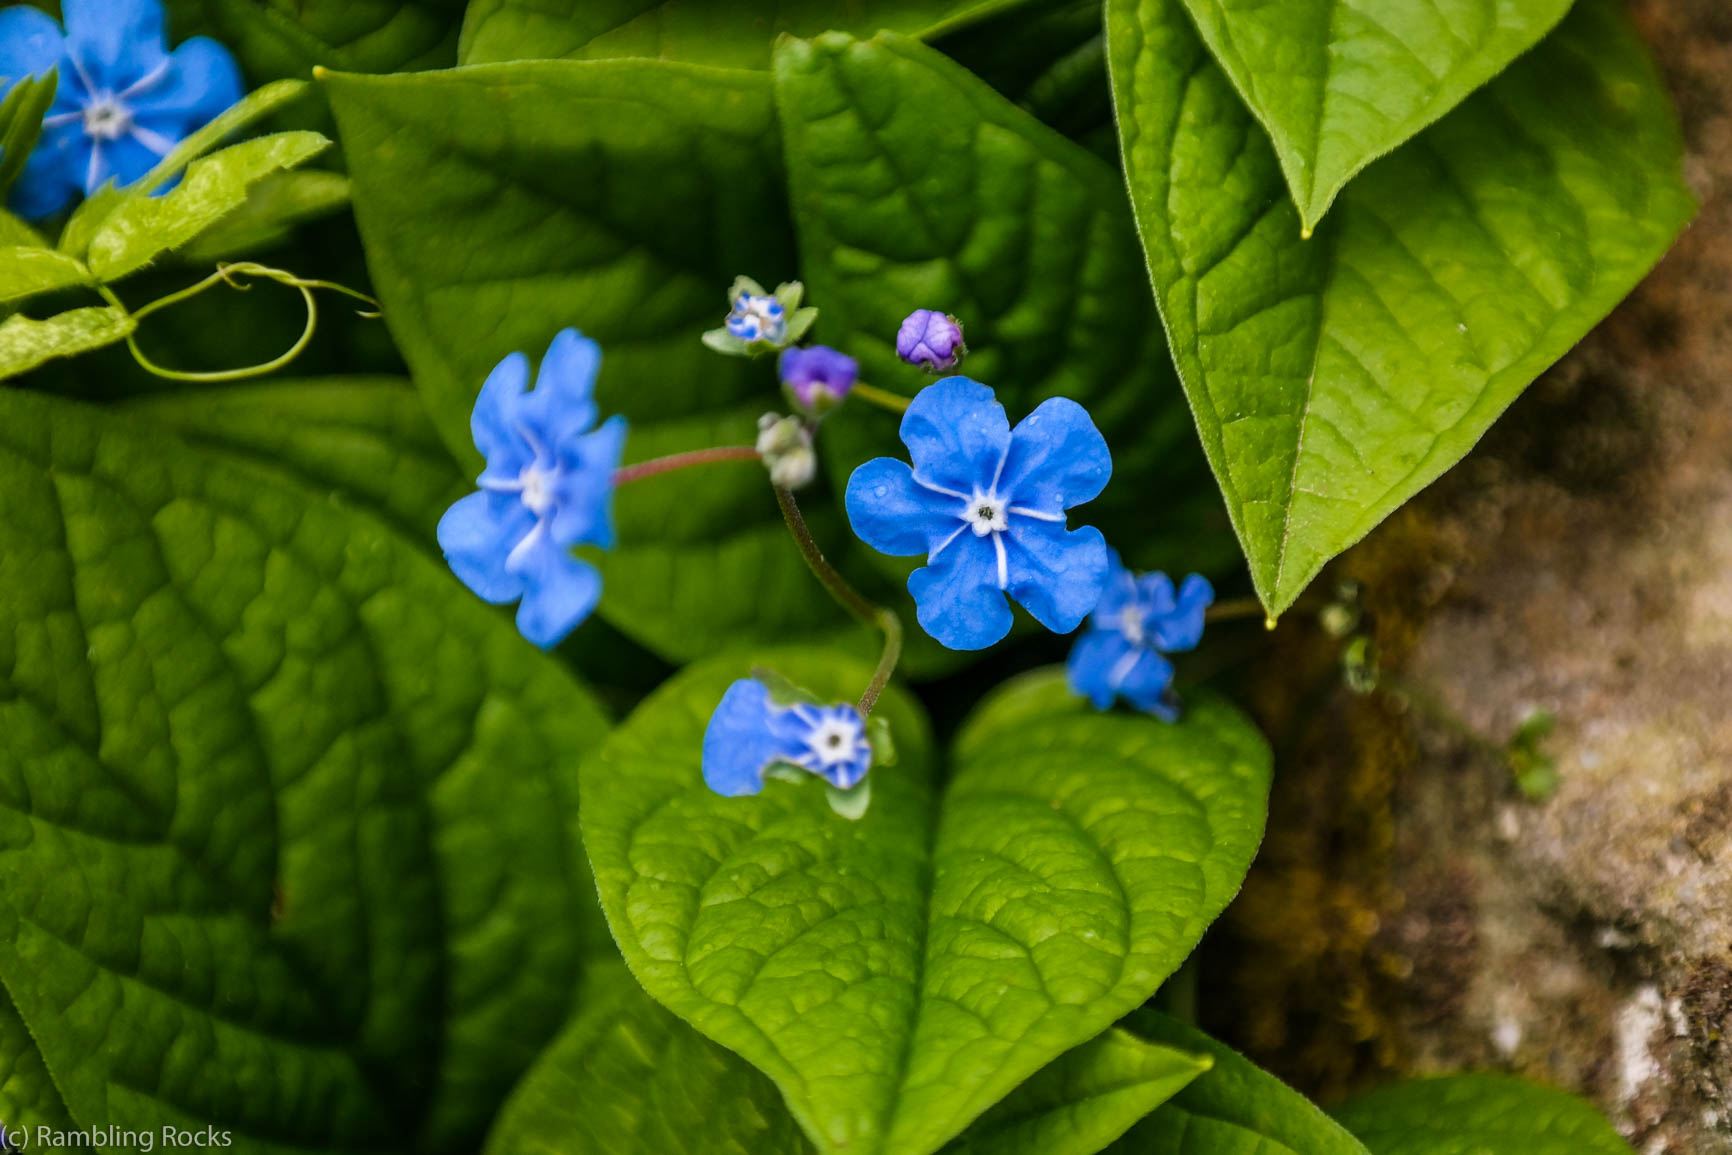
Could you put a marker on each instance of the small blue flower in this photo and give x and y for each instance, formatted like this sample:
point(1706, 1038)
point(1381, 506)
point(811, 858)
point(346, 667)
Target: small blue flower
point(122, 102)
point(548, 486)
point(986, 505)
point(758, 318)
point(818, 377)
point(749, 733)
point(931, 340)
point(1138, 620)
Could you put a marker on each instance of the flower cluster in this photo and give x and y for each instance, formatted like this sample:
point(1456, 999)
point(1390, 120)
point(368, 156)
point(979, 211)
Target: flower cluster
point(122, 100)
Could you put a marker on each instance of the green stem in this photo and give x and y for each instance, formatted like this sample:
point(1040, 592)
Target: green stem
point(856, 603)
point(627, 474)
point(1234, 608)
point(882, 398)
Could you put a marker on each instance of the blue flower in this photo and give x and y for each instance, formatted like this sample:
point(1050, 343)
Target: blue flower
point(817, 377)
point(548, 486)
point(930, 340)
point(749, 733)
point(123, 100)
point(758, 318)
point(986, 505)
point(1138, 620)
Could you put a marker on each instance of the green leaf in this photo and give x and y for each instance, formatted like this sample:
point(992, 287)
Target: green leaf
point(285, 814)
point(366, 439)
point(28, 1097)
point(1480, 1114)
point(1333, 379)
point(26, 342)
point(88, 218)
point(1237, 1108)
point(1336, 87)
point(959, 941)
point(286, 40)
point(21, 116)
point(26, 270)
point(917, 186)
point(141, 228)
point(274, 207)
point(501, 204)
point(1084, 1100)
point(697, 31)
point(627, 1076)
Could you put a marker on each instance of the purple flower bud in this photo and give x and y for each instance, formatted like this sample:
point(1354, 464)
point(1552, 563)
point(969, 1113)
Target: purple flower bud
point(931, 340)
point(817, 376)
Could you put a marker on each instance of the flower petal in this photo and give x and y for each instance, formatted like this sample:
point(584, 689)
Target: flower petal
point(893, 514)
point(563, 404)
point(957, 597)
point(742, 740)
point(1144, 684)
point(126, 160)
point(477, 534)
point(1058, 458)
point(583, 513)
point(1119, 592)
point(1092, 662)
point(1182, 628)
point(1055, 574)
point(53, 175)
point(559, 591)
point(201, 80)
point(493, 421)
point(30, 43)
point(115, 41)
point(957, 434)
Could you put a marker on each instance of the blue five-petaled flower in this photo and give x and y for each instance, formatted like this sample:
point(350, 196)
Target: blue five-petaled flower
point(122, 101)
point(1137, 621)
point(986, 505)
point(749, 733)
point(548, 486)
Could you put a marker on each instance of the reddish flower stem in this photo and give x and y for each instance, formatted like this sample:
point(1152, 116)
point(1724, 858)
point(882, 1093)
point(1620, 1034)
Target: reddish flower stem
point(627, 474)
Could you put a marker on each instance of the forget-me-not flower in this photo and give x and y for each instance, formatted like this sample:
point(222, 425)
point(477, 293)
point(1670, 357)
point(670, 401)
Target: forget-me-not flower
point(817, 376)
point(548, 486)
point(986, 505)
point(750, 732)
point(122, 101)
point(1137, 621)
point(931, 340)
point(758, 317)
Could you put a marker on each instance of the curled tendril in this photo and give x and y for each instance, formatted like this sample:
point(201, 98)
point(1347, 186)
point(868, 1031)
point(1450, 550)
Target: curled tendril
point(227, 274)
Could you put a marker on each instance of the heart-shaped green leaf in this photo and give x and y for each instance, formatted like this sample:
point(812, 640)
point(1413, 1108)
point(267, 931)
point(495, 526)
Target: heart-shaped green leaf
point(277, 40)
point(1334, 378)
point(957, 939)
point(699, 31)
point(1480, 1114)
point(1237, 1108)
point(501, 204)
point(916, 186)
point(285, 833)
point(1337, 86)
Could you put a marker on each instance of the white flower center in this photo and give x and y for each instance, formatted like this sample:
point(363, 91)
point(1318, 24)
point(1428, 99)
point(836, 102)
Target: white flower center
point(986, 513)
point(1131, 625)
point(538, 483)
point(835, 740)
point(105, 118)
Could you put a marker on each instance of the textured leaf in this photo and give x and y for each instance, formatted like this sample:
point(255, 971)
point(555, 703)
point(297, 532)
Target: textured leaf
point(1083, 1100)
point(698, 31)
point(278, 38)
point(917, 186)
point(1482, 1114)
point(627, 1077)
point(1337, 86)
point(959, 942)
point(1236, 1108)
point(366, 439)
point(26, 270)
point(500, 204)
point(273, 208)
point(1332, 379)
point(285, 834)
point(26, 342)
point(142, 228)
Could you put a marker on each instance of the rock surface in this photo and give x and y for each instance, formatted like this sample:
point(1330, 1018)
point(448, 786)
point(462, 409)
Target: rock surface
point(1412, 910)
